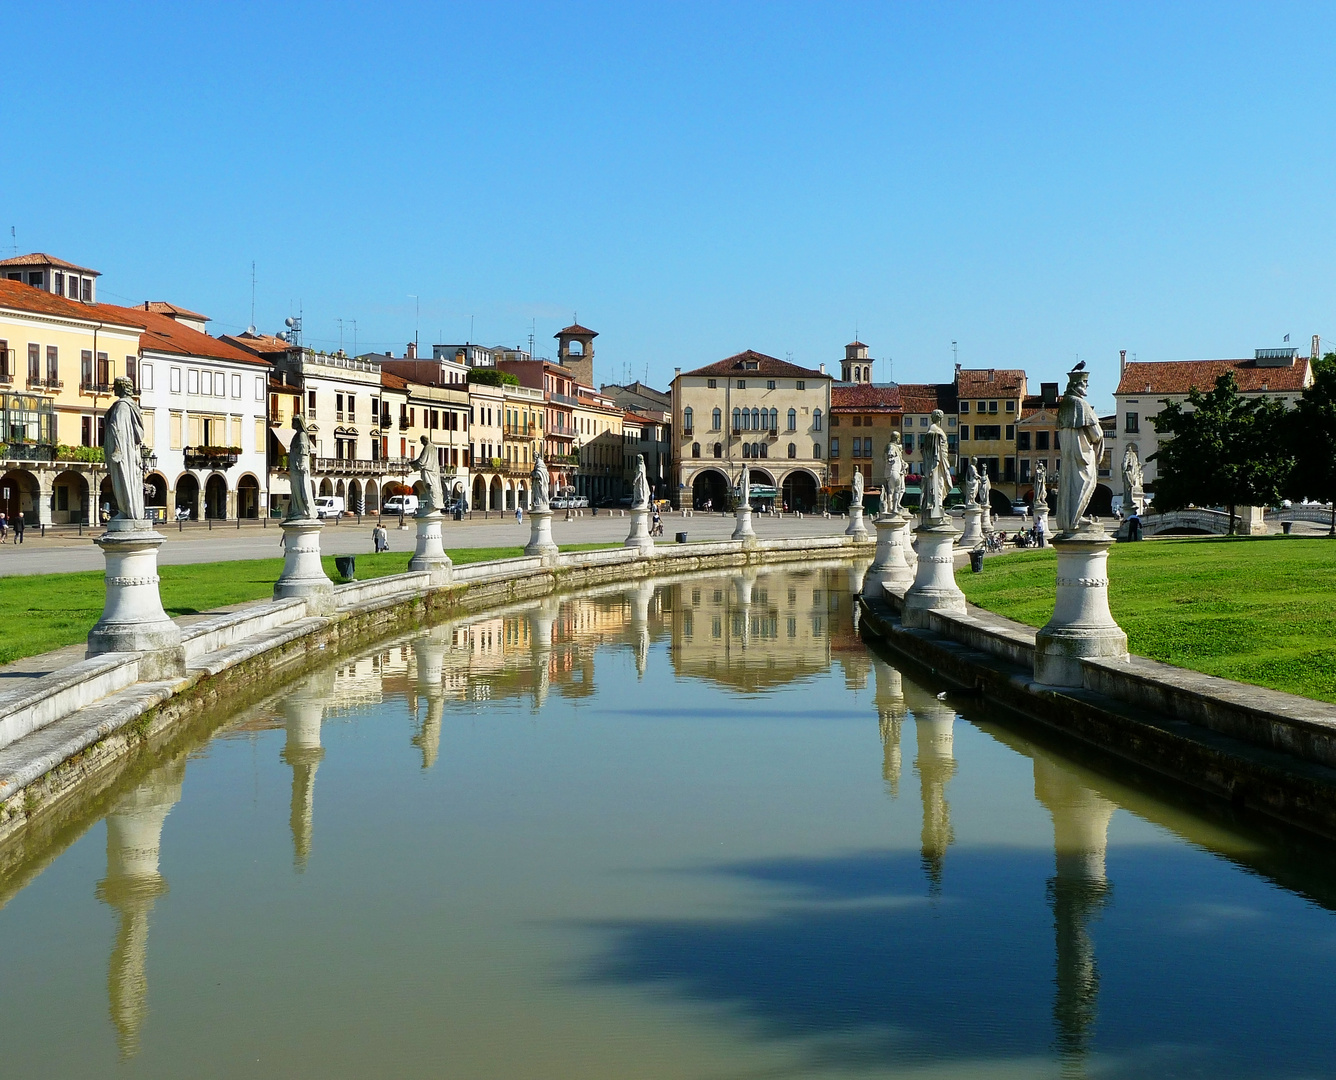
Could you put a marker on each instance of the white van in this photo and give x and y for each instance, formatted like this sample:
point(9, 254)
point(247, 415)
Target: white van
point(328, 506)
point(400, 504)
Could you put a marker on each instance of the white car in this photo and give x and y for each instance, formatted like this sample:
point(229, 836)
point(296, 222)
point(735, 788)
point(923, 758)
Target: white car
point(400, 504)
point(328, 506)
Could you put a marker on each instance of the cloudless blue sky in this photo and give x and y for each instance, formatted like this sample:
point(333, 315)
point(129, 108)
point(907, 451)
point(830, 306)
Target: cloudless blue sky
point(1035, 182)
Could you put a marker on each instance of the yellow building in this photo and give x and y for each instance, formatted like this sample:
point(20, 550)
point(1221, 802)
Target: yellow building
point(598, 446)
point(990, 401)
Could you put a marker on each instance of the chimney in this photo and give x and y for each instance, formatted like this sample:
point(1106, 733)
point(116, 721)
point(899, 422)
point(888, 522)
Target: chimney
point(823, 369)
point(412, 350)
point(1122, 362)
point(1315, 353)
point(992, 375)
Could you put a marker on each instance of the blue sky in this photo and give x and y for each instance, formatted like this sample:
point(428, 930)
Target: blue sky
point(1035, 182)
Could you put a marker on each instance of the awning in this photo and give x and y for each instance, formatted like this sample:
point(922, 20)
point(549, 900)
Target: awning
point(283, 435)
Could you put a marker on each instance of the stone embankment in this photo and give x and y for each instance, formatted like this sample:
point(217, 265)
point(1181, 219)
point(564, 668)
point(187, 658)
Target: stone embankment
point(1258, 748)
point(63, 729)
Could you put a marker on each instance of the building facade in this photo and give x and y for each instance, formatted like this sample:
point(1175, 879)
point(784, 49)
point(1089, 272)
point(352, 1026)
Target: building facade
point(864, 419)
point(989, 402)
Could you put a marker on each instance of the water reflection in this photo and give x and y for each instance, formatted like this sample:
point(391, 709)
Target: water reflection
point(303, 713)
point(934, 731)
point(891, 709)
point(429, 658)
point(132, 886)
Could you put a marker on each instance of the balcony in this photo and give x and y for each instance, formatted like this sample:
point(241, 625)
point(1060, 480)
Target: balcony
point(404, 425)
point(354, 466)
point(211, 457)
point(521, 431)
point(94, 387)
point(45, 384)
point(687, 433)
point(28, 452)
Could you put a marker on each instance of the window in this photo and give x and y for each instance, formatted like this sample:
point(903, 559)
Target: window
point(712, 384)
point(834, 447)
point(793, 450)
point(950, 421)
point(770, 384)
point(718, 450)
point(816, 450)
point(1041, 440)
point(352, 407)
point(86, 294)
point(746, 449)
point(259, 389)
point(816, 422)
point(5, 371)
point(802, 385)
point(992, 406)
point(192, 381)
point(206, 383)
point(923, 421)
point(219, 384)
point(687, 418)
point(964, 408)
point(1009, 470)
point(909, 444)
point(1011, 432)
point(716, 419)
point(987, 432)
point(742, 384)
point(103, 371)
point(34, 362)
point(1011, 406)
point(236, 386)
point(835, 421)
point(174, 380)
point(1025, 470)
point(964, 432)
point(310, 404)
point(146, 375)
point(52, 365)
point(758, 419)
point(131, 371)
point(737, 419)
point(35, 278)
point(793, 419)
point(695, 449)
point(1133, 424)
point(1023, 441)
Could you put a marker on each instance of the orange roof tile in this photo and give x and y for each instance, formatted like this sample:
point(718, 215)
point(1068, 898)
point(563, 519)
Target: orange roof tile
point(19, 297)
point(38, 258)
point(575, 329)
point(164, 334)
point(925, 397)
point(981, 382)
point(393, 381)
point(1180, 376)
point(765, 365)
point(164, 308)
point(864, 398)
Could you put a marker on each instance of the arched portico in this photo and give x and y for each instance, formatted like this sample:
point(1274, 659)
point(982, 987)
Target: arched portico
point(372, 497)
point(215, 497)
point(710, 486)
point(19, 494)
point(799, 490)
point(69, 498)
point(248, 497)
point(187, 495)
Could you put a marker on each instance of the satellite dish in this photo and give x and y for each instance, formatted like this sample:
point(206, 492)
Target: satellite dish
point(290, 322)
point(282, 335)
point(250, 329)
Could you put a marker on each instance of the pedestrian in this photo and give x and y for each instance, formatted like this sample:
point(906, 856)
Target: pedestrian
point(519, 514)
point(1039, 532)
point(380, 538)
point(18, 529)
point(4, 527)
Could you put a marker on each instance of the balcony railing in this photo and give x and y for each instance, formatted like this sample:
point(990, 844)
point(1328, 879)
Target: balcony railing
point(94, 387)
point(45, 384)
point(29, 452)
point(521, 430)
point(395, 466)
point(211, 457)
point(686, 433)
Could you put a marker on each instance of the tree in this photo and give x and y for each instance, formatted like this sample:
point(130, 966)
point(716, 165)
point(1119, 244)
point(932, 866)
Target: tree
point(1312, 435)
point(492, 377)
point(1223, 450)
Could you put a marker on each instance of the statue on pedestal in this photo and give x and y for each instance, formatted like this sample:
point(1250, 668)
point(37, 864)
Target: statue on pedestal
point(744, 488)
point(893, 487)
point(971, 484)
point(1133, 491)
point(936, 473)
point(301, 504)
point(640, 485)
point(122, 445)
point(1082, 442)
point(1040, 485)
point(539, 479)
point(428, 464)
point(985, 488)
point(857, 499)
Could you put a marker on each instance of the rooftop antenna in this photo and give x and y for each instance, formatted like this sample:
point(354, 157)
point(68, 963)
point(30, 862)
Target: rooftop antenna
point(417, 317)
point(14, 241)
point(252, 292)
point(470, 329)
point(533, 326)
point(955, 356)
point(354, 322)
point(340, 322)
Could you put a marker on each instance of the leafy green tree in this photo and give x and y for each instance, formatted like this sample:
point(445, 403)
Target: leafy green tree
point(1312, 433)
point(492, 377)
point(1223, 450)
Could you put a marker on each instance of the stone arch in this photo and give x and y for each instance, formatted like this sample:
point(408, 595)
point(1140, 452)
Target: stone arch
point(762, 477)
point(479, 492)
point(712, 486)
point(496, 495)
point(215, 497)
point(998, 504)
point(799, 490)
point(69, 498)
point(522, 494)
point(19, 494)
point(248, 497)
point(341, 492)
point(372, 497)
point(326, 487)
point(1101, 500)
point(355, 503)
point(187, 495)
point(157, 496)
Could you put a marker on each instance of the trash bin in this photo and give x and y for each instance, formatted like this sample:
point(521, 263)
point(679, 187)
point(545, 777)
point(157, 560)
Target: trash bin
point(976, 560)
point(682, 538)
point(1286, 526)
point(346, 565)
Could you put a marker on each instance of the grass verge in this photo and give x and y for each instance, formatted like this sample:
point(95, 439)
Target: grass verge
point(42, 612)
point(1260, 610)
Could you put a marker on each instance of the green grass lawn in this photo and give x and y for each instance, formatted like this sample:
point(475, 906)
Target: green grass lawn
point(1260, 610)
point(41, 612)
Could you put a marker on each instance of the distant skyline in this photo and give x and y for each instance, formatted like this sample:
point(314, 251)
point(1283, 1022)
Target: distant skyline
point(1035, 182)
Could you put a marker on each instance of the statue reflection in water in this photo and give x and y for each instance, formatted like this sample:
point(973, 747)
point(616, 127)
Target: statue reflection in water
point(429, 658)
point(132, 886)
point(303, 713)
point(934, 723)
point(889, 698)
point(1077, 892)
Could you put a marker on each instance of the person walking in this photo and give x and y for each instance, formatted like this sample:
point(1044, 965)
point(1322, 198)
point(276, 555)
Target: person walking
point(380, 538)
point(4, 528)
point(18, 529)
point(519, 514)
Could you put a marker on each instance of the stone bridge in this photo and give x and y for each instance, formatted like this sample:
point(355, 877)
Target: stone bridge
point(1318, 515)
point(1247, 522)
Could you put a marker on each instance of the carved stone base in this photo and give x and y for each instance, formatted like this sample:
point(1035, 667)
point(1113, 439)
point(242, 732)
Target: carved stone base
point(303, 576)
point(744, 530)
point(934, 587)
point(639, 537)
point(1041, 519)
point(540, 534)
point(430, 553)
point(889, 565)
point(1082, 625)
point(133, 619)
point(973, 535)
point(856, 528)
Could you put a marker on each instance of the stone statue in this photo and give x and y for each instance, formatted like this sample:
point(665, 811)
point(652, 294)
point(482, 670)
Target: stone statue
point(122, 442)
point(301, 505)
point(893, 487)
point(1133, 491)
point(1040, 485)
point(857, 499)
point(640, 486)
point(936, 481)
point(971, 482)
point(744, 488)
point(1082, 444)
point(428, 464)
point(541, 496)
point(985, 488)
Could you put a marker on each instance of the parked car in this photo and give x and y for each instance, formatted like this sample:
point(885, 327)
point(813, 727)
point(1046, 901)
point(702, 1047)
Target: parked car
point(400, 504)
point(1019, 508)
point(328, 506)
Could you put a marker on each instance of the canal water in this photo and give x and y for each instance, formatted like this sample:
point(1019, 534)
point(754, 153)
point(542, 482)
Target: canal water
point(693, 828)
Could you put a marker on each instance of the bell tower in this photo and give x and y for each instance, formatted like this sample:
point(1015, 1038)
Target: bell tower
point(856, 367)
point(575, 350)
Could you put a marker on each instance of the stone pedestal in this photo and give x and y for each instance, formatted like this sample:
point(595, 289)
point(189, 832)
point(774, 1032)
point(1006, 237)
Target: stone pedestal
point(973, 535)
point(639, 537)
point(303, 576)
point(856, 527)
point(540, 534)
point(1041, 519)
point(743, 530)
point(986, 520)
point(1082, 624)
point(133, 619)
point(430, 554)
point(889, 564)
point(934, 587)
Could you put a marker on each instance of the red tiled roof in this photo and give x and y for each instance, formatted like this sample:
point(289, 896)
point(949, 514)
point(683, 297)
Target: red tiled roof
point(393, 381)
point(1180, 376)
point(864, 398)
point(765, 365)
point(38, 258)
point(576, 330)
point(980, 382)
point(19, 297)
point(925, 397)
point(259, 344)
point(164, 308)
point(636, 418)
point(164, 334)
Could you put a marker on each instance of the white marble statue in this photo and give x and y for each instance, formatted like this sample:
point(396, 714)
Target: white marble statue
point(122, 442)
point(640, 486)
point(1082, 444)
point(744, 488)
point(301, 504)
point(539, 480)
point(985, 488)
point(936, 481)
point(1040, 485)
point(428, 464)
point(893, 487)
point(971, 484)
point(1133, 490)
point(857, 499)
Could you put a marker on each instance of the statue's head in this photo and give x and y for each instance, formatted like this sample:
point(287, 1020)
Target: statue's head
point(298, 422)
point(1078, 381)
point(938, 416)
point(123, 387)
point(423, 440)
point(640, 460)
